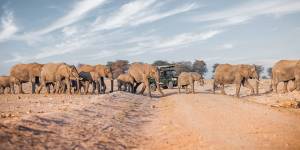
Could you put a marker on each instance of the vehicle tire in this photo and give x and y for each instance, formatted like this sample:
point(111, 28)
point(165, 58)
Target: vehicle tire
point(170, 85)
point(152, 87)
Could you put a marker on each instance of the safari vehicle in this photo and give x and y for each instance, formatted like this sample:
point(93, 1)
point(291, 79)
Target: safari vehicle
point(168, 78)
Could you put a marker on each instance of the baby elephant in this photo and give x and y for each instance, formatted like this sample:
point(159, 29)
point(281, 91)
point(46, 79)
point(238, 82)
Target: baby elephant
point(4, 83)
point(188, 78)
point(127, 81)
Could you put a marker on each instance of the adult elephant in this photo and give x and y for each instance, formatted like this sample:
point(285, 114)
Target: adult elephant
point(285, 71)
point(235, 74)
point(55, 73)
point(22, 73)
point(126, 81)
point(141, 74)
point(87, 79)
point(188, 78)
point(100, 72)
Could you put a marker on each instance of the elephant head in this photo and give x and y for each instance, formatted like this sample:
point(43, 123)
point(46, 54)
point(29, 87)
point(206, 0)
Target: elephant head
point(198, 77)
point(72, 71)
point(154, 73)
point(249, 72)
point(106, 72)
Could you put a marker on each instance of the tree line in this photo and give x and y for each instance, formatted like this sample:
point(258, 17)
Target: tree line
point(121, 66)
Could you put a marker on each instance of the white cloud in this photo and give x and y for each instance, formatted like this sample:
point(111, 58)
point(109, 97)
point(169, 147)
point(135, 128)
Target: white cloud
point(227, 46)
point(187, 38)
point(174, 43)
point(8, 26)
point(154, 16)
point(125, 15)
point(139, 12)
point(65, 47)
point(78, 12)
point(247, 11)
point(101, 54)
point(69, 30)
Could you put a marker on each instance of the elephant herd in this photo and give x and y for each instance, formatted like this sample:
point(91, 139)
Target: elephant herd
point(63, 77)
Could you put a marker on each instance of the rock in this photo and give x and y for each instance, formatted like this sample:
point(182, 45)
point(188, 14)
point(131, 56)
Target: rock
point(290, 103)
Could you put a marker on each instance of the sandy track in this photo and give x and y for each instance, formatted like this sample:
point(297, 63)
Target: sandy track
point(99, 122)
point(124, 121)
point(209, 121)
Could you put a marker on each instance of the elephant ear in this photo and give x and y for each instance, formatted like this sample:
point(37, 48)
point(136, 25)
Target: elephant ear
point(244, 71)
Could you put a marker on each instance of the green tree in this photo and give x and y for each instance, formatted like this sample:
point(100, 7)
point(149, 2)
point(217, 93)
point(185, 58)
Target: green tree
point(160, 63)
point(199, 66)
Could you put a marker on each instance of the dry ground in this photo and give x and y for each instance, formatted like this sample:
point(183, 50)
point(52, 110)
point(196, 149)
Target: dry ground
point(124, 121)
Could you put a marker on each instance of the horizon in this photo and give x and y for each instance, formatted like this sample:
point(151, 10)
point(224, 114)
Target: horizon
point(98, 31)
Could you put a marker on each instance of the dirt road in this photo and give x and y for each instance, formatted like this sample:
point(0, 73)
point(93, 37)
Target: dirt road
point(206, 121)
point(126, 121)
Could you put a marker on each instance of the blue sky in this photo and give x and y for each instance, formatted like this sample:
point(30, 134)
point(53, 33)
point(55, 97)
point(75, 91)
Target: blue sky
point(97, 31)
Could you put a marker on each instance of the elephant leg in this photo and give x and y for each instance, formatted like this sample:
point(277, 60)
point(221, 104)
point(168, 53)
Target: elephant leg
point(1, 90)
point(193, 88)
point(68, 86)
point(223, 89)
point(20, 88)
point(48, 88)
point(32, 87)
point(143, 90)
point(238, 88)
point(12, 88)
point(86, 87)
point(9, 90)
point(214, 87)
point(131, 88)
point(186, 89)
point(57, 86)
point(38, 91)
point(285, 86)
point(103, 85)
point(179, 86)
point(119, 86)
point(94, 87)
point(248, 85)
point(274, 85)
point(135, 87)
point(97, 86)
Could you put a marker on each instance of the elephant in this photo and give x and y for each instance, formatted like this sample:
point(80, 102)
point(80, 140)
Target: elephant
point(64, 85)
point(4, 83)
point(141, 74)
point(22, 73)
point(297, 77)
point(235, 74)
point(188, 78)
point(87, 79)
point(127, 81)
point(285, 71)
point(55, 73)
point(101, 72)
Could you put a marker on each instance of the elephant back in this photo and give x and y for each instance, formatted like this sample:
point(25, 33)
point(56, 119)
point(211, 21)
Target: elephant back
point(184, 78)
point(4, 81)
point(20, 72)
point(86, 76)
point(49, 71)
point(283, 70)
point(137, 71)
